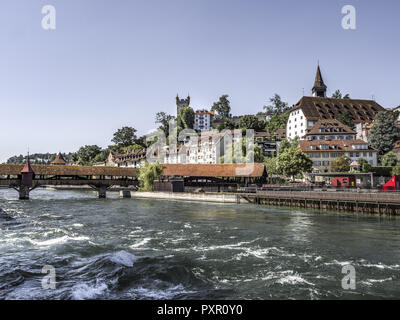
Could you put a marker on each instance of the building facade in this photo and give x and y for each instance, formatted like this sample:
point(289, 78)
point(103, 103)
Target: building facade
point(203, 120)
point(133, 159)
point(309, 110)
point(329, 140)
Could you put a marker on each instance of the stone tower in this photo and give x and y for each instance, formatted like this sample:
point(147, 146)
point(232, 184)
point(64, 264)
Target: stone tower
point(319, 89)
point(182, 103)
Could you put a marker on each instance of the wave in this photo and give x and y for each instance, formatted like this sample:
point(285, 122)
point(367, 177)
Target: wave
point(124, 258)
point(84, 291)
point(56, 241)
point(141, 243)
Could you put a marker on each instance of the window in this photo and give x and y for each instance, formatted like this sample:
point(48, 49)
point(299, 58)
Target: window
point(324, 146)
point(360, 146)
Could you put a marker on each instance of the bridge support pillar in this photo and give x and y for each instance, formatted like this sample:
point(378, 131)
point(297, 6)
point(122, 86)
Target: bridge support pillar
point(23, 192)
point(102, 191)
point(125, 194)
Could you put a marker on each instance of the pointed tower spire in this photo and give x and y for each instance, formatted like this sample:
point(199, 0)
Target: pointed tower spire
point(27, 174)
point(319, 89)
point(27, 168)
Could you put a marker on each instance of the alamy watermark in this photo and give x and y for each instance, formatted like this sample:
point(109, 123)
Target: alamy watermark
point(49, 19)
point(349, 20)
point(349, 280)
point(185, 147)
point(49, 280)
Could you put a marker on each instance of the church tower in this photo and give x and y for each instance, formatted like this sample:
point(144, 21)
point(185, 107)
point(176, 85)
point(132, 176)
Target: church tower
point(182, 103)
point(319, 89)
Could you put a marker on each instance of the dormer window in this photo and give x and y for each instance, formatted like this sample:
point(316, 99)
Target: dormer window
point(360, 146)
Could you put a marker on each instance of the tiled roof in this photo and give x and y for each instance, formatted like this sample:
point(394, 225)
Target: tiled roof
point(315, 108)
point(59, 159)
point(133, 155)
point(214, 170)
point(27, 167)
point(396, 147)
point(331, 126)
point(342, 145)
point(205, 112)
point(15, 169)
point(279, 132)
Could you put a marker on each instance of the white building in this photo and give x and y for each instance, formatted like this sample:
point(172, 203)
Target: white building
point(202, 120)
point(309, 110)
point(133, 159)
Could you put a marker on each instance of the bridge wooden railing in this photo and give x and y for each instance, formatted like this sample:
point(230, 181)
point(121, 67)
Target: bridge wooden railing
point(341, 196)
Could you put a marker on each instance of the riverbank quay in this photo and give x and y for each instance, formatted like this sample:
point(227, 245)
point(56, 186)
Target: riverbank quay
point(188, 196)
point(350, 201)
point(358, 202)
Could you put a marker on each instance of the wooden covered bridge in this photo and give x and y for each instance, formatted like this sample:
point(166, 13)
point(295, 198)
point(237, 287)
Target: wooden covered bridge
point(25, 178)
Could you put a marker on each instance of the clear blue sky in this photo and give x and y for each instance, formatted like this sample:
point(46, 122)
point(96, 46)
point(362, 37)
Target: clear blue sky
point(115, 63)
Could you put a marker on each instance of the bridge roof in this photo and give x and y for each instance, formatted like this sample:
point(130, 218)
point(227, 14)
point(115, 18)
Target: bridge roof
point(215, 170)
point(51, 170)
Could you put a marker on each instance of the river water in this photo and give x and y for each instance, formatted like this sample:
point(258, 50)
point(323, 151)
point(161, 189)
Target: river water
point(152, 249)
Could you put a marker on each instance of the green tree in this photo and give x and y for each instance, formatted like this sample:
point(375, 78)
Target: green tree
point(389, 159)
point(364, 165)
point(347, 119)
point(185, 118)
point(148, 174)
point(124, 137)
point(132, 147)
point(383, 133)
point(338, 95)
point(87, 154)
point(396, 171)
point(293, 162)
point(228, 124)
point(102, 156)
point(341, 164)
point(286, 144)
point(277, 106)
point(222, 108)
point(277, 121)
point(271, 164)
point(163, 119)
point(251, 122)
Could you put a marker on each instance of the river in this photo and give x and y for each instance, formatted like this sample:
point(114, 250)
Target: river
point(153, 249)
